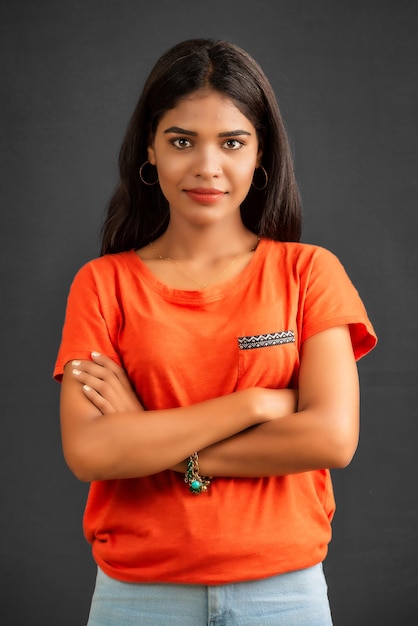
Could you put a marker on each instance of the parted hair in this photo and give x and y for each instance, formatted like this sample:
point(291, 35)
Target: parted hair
point(138, 213)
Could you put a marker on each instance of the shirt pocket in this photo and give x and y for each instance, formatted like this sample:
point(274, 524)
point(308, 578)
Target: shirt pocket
point(268, 360)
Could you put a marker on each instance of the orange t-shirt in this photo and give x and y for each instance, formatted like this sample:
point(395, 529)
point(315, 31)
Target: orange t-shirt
point(182, 347)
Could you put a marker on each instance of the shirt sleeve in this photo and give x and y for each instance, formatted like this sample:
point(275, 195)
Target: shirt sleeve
point(91, 321)
point(330, 299)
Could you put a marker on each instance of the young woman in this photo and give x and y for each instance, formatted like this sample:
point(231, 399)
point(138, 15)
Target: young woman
point(208, 363)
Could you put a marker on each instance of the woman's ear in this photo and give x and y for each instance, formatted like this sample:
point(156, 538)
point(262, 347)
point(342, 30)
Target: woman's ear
point(259, 157)
point(151, 154)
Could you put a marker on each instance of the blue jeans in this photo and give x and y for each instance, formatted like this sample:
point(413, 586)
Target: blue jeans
point(295, 599)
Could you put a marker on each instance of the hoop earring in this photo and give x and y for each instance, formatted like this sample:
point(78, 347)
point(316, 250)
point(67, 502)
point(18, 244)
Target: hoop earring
point(142, 178)
point(265, 182)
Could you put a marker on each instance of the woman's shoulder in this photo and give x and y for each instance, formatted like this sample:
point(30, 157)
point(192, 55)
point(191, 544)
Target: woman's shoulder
point(107, 269)
point(294, 251)
point(116, 261)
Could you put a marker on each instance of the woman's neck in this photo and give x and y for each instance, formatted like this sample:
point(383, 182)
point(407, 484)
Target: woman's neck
point(204, 244)
point(185, 258)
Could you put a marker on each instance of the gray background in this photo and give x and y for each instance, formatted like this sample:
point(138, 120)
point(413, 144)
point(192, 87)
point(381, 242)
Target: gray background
point(346, 78)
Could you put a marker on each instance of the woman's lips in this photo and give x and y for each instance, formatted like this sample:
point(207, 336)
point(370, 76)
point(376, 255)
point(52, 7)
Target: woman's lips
point(205, 195)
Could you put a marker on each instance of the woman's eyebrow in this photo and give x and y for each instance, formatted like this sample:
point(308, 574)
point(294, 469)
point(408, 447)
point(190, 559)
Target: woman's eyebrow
point(180, 131)
point(191, 133)
point(234, 133)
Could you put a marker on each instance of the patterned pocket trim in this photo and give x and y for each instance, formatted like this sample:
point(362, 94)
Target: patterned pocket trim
point(263, 341)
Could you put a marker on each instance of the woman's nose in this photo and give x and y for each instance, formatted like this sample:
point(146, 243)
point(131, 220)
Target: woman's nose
point(208, 162)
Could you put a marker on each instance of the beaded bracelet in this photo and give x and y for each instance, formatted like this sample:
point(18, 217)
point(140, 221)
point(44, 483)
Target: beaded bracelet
point(197, 484)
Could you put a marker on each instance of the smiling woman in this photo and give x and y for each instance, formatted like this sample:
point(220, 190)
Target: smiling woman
point(205, 151)
point(208, 363)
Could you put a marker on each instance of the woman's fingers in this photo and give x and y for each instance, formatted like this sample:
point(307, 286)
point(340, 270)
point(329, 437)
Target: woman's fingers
point(101, 370)
point(111, 366)
point(108, 386)
point(98, 400)
point(97, 378)
point(104, 370)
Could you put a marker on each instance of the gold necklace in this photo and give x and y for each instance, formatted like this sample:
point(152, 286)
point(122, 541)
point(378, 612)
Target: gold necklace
point(198, 282)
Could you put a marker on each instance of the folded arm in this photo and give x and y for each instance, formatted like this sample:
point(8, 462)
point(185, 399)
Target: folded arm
point(323, 433)
point(107, 434)
point(257, 432)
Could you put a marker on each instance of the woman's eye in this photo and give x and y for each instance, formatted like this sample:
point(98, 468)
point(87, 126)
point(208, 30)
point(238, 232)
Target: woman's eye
point(233, 144)
point(181, 143)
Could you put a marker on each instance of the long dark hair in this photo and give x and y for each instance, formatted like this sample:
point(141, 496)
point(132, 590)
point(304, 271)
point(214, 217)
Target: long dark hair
point(138, 213)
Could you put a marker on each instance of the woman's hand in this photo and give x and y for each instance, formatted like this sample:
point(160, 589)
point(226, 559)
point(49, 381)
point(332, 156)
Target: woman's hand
point(276, 403)
point(106, 385)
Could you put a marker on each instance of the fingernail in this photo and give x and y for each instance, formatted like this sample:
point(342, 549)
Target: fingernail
point(86, 387)
point(95, 354)
point(76, 363)
point(76, 372)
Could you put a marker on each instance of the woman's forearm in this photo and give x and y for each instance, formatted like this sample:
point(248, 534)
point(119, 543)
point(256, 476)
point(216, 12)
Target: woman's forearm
point(296, 443)
point(323, 433)
point(124, 445)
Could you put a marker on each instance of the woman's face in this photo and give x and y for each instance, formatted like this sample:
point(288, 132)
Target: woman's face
point(205, 151)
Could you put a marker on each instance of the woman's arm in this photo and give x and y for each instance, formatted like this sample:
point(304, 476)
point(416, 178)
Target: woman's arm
point(322, 434)
point(106, 433)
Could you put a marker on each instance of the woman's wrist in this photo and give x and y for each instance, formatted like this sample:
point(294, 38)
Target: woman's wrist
point(180, 467)
point(197, 482)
